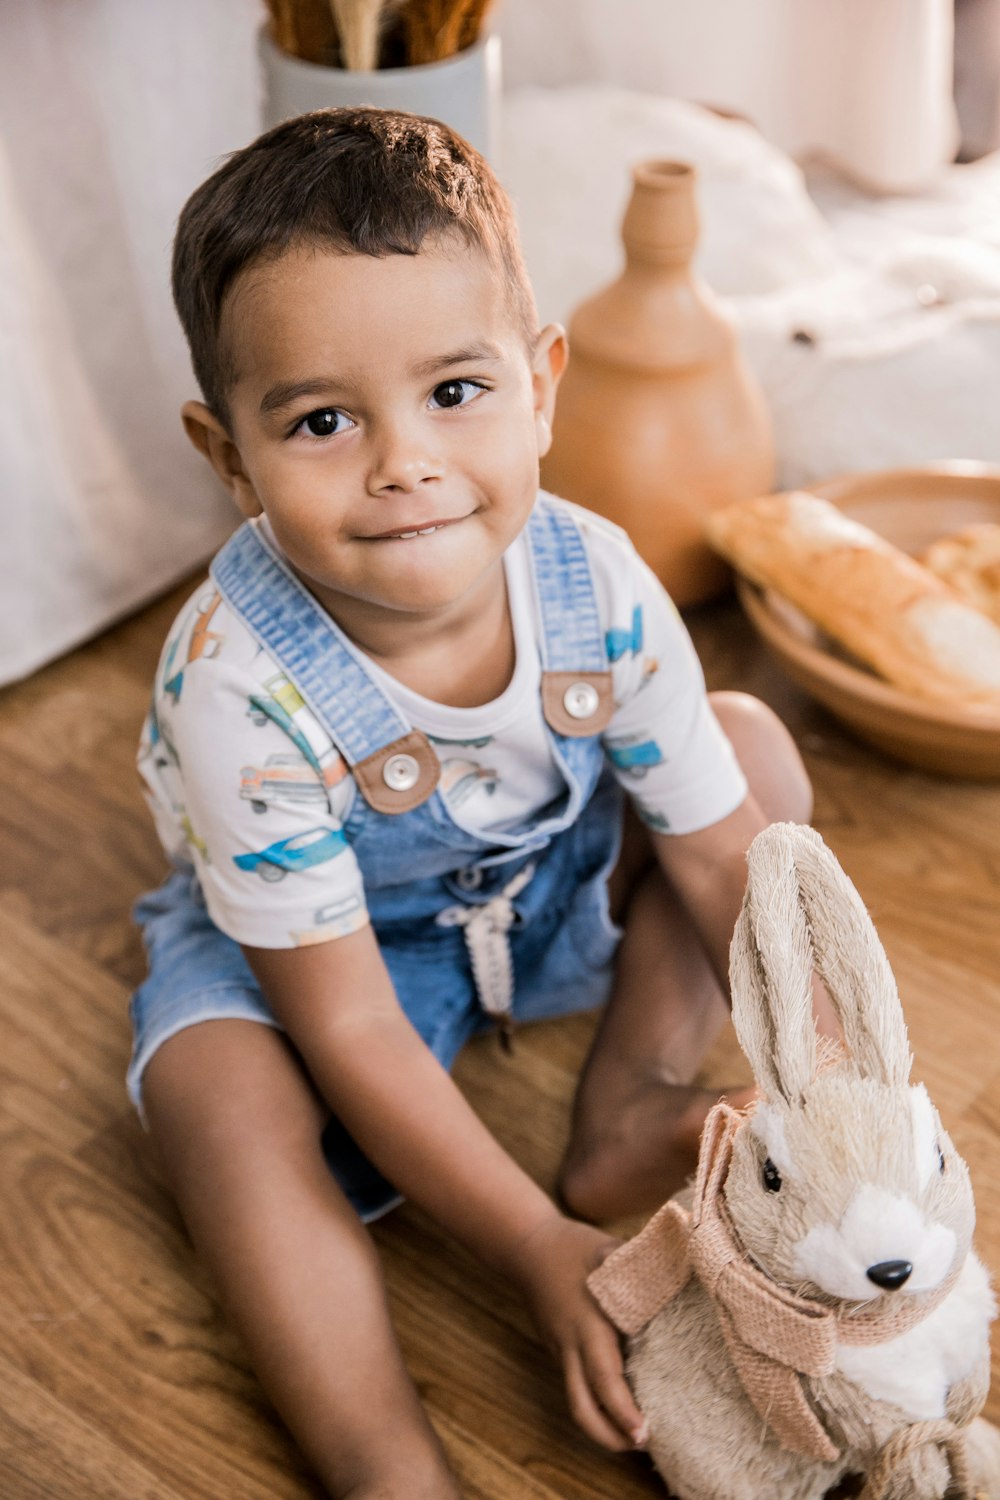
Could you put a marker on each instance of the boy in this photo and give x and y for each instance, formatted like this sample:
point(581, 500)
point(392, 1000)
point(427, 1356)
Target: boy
point(387, 751)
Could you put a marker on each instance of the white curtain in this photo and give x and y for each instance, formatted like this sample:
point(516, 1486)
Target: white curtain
point(111, 111)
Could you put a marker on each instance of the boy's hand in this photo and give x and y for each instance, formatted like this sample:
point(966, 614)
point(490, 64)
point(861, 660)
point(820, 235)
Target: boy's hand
point(554, 1263)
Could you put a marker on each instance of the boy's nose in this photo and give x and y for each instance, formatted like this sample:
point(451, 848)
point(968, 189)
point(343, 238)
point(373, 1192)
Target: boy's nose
point(402, 461)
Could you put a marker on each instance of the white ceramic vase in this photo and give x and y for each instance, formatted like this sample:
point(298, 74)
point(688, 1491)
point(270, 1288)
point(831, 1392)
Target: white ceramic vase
point(463, 91)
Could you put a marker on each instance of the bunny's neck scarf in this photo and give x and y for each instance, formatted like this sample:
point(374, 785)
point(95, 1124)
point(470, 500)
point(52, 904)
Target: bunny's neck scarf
point(774, 1337)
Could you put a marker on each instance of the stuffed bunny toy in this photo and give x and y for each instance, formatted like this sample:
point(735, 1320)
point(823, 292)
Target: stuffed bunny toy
point(817, 1311)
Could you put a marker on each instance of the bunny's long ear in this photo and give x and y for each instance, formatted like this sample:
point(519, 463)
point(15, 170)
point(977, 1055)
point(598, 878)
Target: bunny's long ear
point(800, 909)
point(770, 970)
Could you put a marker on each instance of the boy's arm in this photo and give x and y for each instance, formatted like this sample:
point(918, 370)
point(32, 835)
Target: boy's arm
point(708, 870)
point(337, 1003)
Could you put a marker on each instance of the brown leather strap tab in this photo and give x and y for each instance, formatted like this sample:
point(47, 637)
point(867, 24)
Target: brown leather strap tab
point(400, 776)
point(577, 703)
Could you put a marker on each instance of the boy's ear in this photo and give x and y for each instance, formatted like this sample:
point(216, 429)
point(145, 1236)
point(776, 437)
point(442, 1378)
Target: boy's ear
point(551, 354)
point(211, 439)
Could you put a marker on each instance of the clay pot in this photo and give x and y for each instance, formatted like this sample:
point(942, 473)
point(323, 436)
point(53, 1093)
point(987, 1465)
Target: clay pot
point(659, 418)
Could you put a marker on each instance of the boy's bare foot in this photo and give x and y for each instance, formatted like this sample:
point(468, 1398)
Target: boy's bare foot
point(646, 1152)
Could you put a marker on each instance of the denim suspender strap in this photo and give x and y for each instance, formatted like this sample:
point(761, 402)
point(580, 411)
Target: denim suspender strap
point(576, 701)
point(576, 682)
point(395, 767)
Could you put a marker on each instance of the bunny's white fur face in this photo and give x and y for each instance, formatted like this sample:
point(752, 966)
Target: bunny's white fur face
point(857, 1173)
point(877, 1227)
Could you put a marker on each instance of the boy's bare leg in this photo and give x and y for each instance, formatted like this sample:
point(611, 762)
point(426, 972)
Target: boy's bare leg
point(637, 1116)
point(238, 1126)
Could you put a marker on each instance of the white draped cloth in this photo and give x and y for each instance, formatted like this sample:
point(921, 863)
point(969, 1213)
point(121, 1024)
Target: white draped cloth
point(111, 112)
point(867, 83)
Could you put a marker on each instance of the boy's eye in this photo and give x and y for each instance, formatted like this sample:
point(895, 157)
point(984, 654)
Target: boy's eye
point(324, 423)
point(455, 392)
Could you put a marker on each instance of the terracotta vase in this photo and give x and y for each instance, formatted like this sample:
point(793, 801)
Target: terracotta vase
point(659, 418)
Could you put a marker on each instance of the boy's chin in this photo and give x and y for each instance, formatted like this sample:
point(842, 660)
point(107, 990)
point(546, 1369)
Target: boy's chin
point(425, 598)
point(432, 583)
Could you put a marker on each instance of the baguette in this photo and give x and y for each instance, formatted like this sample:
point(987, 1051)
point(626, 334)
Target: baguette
point(969, 560)
point(881, 605)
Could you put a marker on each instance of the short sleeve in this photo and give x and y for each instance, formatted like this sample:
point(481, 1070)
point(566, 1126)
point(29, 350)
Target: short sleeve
point(664, 742)
point(246, 785)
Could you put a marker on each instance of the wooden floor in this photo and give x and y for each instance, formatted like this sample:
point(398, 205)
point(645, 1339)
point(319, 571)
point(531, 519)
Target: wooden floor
point(118, 1377)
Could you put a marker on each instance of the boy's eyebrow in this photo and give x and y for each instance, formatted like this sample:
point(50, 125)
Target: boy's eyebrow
point(471, 354)
point(289, 391)
point(282, 395)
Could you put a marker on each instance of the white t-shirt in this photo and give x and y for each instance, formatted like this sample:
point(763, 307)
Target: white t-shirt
point(235, 762)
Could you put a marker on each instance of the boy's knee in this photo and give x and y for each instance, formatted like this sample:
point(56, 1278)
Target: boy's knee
point(768, 755)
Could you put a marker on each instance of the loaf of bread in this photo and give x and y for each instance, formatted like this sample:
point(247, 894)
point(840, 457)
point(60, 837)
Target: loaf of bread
point(969, 562)
point(881, 605)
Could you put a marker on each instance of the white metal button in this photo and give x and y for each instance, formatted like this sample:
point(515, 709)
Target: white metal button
point(401, 772)
point(580, 700)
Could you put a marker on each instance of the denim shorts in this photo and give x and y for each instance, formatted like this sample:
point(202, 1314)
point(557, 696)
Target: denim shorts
point(563, 946)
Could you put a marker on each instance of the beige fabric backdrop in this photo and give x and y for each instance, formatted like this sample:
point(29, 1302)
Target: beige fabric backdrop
point(111, 111)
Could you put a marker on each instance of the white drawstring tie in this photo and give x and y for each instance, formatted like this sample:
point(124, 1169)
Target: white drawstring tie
point(486, 929)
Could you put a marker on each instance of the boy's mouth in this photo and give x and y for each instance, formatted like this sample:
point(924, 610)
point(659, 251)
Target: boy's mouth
point(408, 533)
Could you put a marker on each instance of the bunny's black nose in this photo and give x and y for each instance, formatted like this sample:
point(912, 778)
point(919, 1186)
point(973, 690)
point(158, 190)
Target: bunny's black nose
point(890, 1274)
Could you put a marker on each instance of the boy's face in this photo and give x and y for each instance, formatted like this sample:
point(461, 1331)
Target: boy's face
point(388, 419)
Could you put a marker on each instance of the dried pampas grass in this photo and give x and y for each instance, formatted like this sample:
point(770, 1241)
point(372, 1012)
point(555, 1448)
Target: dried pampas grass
point(359, 23)
point(304, 28)
point(354, 33)
point(436, 29)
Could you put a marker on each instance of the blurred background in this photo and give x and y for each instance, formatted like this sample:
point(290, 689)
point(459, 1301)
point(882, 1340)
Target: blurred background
point(849, 185)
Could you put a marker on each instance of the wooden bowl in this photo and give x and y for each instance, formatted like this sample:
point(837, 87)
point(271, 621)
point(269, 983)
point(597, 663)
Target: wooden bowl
point(910, 507)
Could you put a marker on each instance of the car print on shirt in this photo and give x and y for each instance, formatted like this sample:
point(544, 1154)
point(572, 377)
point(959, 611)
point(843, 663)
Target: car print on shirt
point(172, 684)
point(265, 707)
point(300, 852)
point(460, 778)
point(633, 754)
point(291, 778)
point(156, 742)
point(477, 744)
point(194, 842)
point(203, 642)
point(337, 919)
point(651, 816)
point(284, 692)
point(618, 641)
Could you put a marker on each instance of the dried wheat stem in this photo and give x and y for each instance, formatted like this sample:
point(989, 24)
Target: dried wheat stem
point(303, 28)
point(472, 25)
point(359, 23)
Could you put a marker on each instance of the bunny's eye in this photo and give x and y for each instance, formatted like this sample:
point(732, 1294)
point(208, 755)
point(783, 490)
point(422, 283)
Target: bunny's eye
point(771, 1177)
point(940, 1159)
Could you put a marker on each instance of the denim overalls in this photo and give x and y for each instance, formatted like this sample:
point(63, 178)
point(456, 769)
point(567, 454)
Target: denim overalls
point(513, 926)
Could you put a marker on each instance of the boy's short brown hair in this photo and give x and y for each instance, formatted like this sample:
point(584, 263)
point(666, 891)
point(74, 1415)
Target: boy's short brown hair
point(360, 181)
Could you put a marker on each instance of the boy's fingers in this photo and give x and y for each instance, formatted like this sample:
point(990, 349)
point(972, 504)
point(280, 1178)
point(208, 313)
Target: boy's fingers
point(606, 1378)
point(586, 1411)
